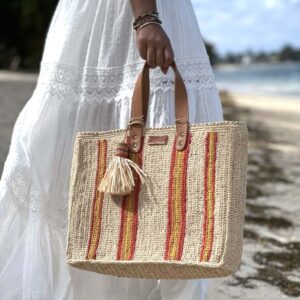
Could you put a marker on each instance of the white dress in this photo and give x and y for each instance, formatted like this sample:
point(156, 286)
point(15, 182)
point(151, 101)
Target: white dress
point(87, 74)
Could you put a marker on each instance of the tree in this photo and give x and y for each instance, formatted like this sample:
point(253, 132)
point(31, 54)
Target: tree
point(212, 53)
point(23, 26)
point(289, 53)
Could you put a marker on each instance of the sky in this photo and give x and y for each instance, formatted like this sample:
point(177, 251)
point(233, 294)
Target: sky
point(238, 25)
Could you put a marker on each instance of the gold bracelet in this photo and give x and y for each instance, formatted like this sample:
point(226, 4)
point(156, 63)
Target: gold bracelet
point(151, 22)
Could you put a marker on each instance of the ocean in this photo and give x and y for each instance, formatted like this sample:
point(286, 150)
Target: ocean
point(276, 79)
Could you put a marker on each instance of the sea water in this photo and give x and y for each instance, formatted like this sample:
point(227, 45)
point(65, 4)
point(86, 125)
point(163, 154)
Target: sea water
point(278, 79)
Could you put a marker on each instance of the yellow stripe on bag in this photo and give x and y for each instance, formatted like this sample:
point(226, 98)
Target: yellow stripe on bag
point(177, 203)
point(209, 195)
point(96, 213)
point(129, 215)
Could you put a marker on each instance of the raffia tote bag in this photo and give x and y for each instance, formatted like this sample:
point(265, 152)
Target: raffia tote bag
point(184, 215)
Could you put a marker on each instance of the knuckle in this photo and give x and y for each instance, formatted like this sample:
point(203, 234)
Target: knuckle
point(157, 39)
point(142, 39)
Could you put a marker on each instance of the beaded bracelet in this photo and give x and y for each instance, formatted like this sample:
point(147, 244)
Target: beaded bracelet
point(153, 13)
point(146, 21)
point(147, 17)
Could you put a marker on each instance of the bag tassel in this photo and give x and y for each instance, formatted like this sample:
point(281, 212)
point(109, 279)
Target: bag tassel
point(119, 176)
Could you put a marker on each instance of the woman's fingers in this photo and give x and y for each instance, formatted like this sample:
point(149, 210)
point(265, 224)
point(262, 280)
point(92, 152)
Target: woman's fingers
point(160, 59)
point(168, 59)
point(155, 47)
point(151, 57)
point(169, 56)
point(143, 50)
point(160, 56)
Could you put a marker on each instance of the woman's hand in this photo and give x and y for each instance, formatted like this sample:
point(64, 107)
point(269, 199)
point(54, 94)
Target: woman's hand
point(155, 47)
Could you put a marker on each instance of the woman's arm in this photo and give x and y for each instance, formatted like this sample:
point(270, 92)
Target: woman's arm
point(152, 41)
point(139, 7)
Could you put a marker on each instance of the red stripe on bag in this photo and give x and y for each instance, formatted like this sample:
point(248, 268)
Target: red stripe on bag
point(96, 212)
point(129, 215)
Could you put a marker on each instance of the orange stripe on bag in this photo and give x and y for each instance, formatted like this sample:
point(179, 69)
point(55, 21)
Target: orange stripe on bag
point(209, 195)
point(177, 203)
point(96, 213)
point(129, 215)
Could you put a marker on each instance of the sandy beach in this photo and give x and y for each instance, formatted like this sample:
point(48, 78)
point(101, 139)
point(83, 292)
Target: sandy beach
point(15, 90)
point(271, 259)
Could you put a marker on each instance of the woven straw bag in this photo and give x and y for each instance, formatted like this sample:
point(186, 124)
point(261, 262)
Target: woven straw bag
point(183, 219)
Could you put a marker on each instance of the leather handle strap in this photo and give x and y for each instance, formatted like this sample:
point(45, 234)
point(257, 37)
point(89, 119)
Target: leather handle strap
point(139, 109)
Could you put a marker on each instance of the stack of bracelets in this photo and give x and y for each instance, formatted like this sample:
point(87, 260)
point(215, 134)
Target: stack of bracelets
point(145, 19)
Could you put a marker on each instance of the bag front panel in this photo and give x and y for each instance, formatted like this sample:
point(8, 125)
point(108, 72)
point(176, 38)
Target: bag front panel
point(181, 213)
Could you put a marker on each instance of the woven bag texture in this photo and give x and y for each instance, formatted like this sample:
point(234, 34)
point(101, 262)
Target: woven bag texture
point(185, 222)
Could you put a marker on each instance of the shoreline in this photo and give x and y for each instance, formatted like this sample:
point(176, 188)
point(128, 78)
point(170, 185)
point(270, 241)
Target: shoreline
point(268, 80)
point(237, 65)
point(12, 76)
point(264, 102)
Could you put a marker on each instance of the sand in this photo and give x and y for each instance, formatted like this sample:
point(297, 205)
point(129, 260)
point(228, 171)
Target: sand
point(271, 259)
point(15, 90)
point(270, 266)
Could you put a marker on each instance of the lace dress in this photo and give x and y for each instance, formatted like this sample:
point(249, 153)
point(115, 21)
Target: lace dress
point(87, 75)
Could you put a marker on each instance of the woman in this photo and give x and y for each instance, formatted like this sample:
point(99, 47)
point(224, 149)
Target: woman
point(91, 60)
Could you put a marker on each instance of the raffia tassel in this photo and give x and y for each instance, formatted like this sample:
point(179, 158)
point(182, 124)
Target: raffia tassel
point(119, 176)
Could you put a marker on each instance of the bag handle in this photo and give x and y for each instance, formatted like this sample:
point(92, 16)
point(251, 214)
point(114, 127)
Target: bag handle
point(139, 109)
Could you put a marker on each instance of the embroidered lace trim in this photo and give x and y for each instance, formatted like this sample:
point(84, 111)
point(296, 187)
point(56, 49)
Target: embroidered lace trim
point(109, 84)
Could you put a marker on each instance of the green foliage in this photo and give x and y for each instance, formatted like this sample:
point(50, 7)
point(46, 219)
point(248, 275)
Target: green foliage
point(23, 26)
point(286, 53)
point(289, 53)
point(212, 53)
